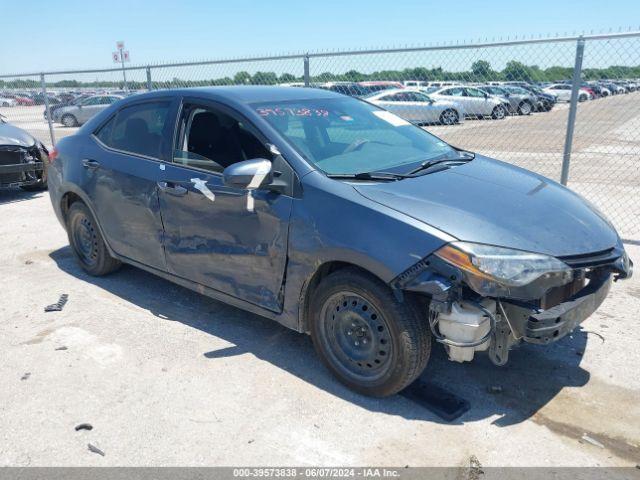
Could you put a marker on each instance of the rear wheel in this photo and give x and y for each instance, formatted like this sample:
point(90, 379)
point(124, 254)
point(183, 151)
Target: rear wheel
point(498, 112)
point(69, 120)
point(449, 117)
point(371, 342)
point(87, 242)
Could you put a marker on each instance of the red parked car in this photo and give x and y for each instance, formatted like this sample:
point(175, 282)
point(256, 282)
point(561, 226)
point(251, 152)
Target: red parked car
point(25, 101)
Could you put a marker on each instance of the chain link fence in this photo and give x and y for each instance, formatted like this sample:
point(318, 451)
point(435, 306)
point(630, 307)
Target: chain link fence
point(589, 138)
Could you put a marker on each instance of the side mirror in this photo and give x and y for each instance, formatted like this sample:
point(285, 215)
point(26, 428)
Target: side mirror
point(249, 174)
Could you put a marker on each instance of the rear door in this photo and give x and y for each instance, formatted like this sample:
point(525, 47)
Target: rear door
point(121, 168)
point(211, 235)
point(478, 102)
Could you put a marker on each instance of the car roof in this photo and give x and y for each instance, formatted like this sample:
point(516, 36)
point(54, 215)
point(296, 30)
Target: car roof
point(242, 94)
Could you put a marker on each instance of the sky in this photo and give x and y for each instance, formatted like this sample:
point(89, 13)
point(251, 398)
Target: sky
point(45, 35)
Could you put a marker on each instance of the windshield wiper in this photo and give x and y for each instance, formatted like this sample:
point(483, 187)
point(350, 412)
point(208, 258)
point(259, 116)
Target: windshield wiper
point(383, 176)
point(427, 164)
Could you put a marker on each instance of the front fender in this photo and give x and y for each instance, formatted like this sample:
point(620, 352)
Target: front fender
point(332, 222)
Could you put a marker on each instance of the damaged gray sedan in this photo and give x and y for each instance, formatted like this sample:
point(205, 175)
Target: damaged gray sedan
point(23, 159)
point(336, 218)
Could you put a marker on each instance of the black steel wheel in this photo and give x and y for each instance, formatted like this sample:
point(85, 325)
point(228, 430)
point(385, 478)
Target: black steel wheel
point(87, 243)
point(373, 343)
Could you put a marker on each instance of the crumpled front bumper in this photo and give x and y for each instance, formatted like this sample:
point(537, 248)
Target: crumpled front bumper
point(554, 323)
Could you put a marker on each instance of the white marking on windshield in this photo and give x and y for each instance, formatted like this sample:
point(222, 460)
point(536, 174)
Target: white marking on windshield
point(391, 118)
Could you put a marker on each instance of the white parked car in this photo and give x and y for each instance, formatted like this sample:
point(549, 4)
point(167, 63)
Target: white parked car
point(7, 102)
point(418, 107)
point(474, 101)
point(563, 92)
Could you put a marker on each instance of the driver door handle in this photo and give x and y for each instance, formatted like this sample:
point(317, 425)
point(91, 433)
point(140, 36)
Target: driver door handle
point(172, 189)
point(91, 164)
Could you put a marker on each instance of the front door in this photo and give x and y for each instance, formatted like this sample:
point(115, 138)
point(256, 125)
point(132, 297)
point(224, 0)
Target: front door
point(212, 237)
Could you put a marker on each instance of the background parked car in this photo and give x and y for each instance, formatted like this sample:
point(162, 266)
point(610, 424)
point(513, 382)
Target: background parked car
point(381, 85)
point(544, 101)
point(74, 115)
point(352, 89)
point(474, 101)
point(23, 159)
point(418, 107)
point(7, 102)
point(38, 98)
point(563, 92)
point(520, 100)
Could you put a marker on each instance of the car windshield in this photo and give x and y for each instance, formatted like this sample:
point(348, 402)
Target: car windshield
point(343, 136)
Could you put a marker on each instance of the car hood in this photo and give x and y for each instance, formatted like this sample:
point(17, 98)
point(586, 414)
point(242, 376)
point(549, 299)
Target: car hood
point(10, 135)
point(488, 201)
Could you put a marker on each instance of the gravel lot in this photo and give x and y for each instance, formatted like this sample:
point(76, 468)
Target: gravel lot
point(168, 377)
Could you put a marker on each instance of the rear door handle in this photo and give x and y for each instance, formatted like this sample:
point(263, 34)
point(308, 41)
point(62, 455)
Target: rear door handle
point(92, 164)
point(172, 189)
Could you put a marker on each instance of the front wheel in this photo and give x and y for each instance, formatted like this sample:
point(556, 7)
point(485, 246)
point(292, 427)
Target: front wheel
point(498, 112)
point(449, 117)
point(371, 342)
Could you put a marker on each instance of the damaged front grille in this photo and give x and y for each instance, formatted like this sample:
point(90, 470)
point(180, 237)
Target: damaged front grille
point(19, 165)
point(585, 267)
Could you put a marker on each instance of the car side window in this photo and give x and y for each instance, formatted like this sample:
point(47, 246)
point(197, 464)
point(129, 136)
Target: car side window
point(472, 92)
point(212, 140)
point(137, 129)
point(458, 92)
point(104, 132)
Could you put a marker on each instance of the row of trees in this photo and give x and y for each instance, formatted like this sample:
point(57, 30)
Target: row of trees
point(480, 71)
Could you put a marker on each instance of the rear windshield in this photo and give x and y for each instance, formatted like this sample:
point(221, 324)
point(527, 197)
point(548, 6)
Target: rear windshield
point(346, 136)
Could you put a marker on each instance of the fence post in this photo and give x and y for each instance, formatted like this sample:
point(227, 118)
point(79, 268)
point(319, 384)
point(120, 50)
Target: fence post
point(43, 85)
point(573, 108)
point(307, 81)
point(149, 86)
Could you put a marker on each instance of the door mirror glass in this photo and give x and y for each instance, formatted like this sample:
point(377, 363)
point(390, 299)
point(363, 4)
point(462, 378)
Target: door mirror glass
point(249, 174)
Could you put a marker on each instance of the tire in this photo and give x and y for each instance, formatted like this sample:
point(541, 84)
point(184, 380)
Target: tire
point(87, 242)
point(498, 112)
point(370, 341)
point(69, 120)
point(525, 108)
point(449, 117)
point(582, 97)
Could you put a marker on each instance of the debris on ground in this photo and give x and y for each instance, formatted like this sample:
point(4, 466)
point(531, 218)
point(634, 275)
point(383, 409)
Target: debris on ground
point(59, 305)
point(28, 262)
point(592, 441)
point(94, 449)
point(494, 389)
point(25, 376)
point(587, 332)
point(251, 441)
point(84, 426)
point(475, 468)
point(61, 348)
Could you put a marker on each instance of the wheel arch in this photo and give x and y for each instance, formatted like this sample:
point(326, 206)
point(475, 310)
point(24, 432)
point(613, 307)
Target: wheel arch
point(321, 272)
point(73, 195)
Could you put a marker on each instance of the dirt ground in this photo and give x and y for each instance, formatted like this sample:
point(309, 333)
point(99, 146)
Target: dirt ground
point(168, 377)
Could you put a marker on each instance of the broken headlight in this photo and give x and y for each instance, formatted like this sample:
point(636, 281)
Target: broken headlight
point(497, 271)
